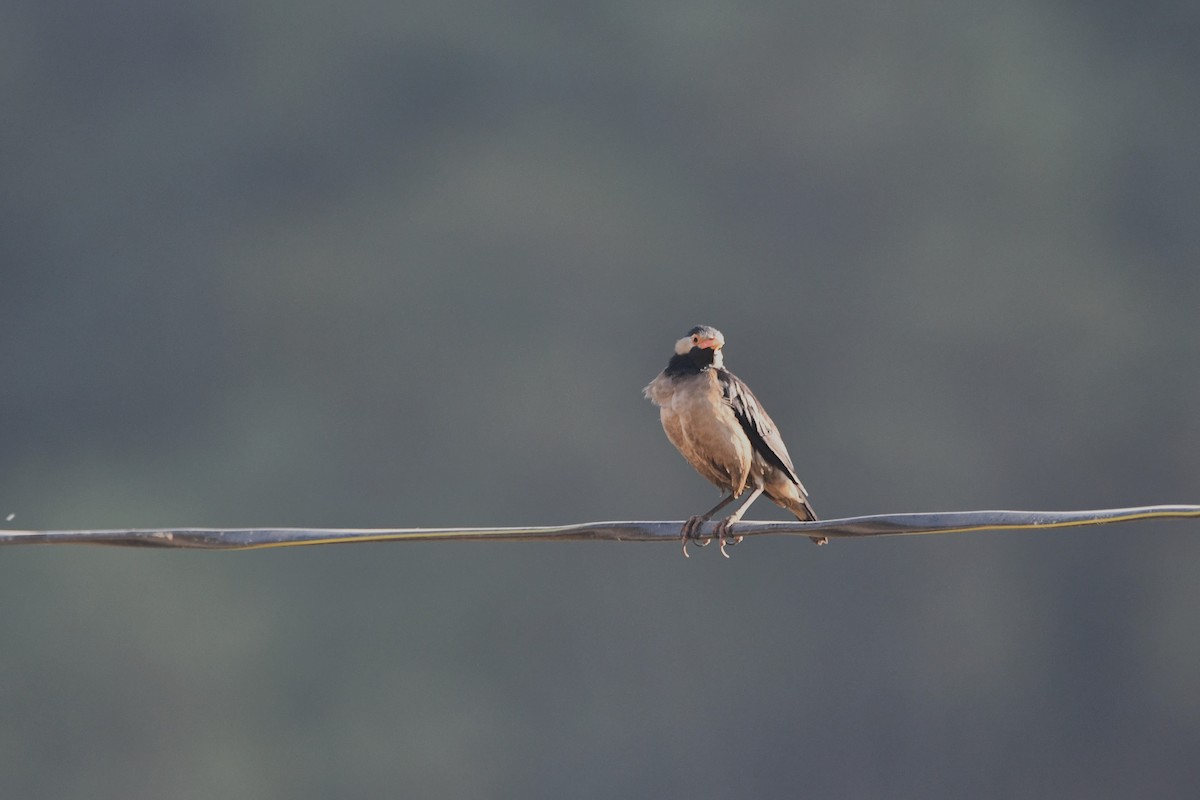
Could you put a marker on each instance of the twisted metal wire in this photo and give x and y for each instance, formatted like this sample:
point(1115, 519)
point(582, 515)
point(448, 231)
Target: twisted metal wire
point(625, 531)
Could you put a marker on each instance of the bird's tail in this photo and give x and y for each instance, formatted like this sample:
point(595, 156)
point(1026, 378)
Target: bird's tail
point(804, 512)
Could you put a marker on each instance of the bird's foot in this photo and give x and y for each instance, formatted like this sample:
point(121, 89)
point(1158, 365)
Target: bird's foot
point(690, 533)
point(819, 540)
point(725, 535)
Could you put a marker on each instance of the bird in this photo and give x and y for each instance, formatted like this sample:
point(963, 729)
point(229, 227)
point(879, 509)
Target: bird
point(722, 430)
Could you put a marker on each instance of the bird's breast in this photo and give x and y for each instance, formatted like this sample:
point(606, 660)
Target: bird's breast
point(704, 428)
point(660, 390)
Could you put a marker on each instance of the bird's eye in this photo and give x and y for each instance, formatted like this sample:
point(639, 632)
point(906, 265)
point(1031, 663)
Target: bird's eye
point(695, 339)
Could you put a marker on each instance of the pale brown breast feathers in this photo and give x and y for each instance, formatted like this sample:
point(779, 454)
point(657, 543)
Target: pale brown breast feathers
point(704, 429)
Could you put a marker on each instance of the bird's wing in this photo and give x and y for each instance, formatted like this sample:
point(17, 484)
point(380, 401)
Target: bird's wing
point(759, 427)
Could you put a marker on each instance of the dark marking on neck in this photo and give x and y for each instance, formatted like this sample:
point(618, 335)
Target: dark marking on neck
point(693, 362)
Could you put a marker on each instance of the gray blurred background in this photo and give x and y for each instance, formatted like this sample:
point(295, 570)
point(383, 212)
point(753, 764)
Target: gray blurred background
point(410, 264)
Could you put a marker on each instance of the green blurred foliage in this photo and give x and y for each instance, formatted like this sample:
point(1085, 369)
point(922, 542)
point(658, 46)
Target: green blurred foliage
point(410, 264)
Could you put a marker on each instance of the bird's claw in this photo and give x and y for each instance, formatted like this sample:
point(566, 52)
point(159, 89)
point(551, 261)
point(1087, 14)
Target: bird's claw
point(819, 540)
point(725, 535)
point(690, 533)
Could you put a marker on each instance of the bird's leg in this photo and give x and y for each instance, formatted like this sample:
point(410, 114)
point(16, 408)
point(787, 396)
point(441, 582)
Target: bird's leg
point(725, 525)
point(693, 524)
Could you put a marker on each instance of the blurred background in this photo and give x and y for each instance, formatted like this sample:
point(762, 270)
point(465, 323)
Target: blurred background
point(389, 264)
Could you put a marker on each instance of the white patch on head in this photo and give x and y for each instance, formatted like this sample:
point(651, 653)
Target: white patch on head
point(687, 343)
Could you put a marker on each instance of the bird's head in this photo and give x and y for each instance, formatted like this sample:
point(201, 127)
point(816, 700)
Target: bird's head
point(703, 345)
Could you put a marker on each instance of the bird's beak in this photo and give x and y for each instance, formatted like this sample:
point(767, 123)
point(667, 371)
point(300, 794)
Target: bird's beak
point(709, 344)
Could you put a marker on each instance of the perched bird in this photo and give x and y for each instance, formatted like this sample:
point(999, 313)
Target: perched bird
point(718, 425)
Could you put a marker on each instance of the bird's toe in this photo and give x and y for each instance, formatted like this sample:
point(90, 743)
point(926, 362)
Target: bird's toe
point(725, 535)
point(691, 533)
